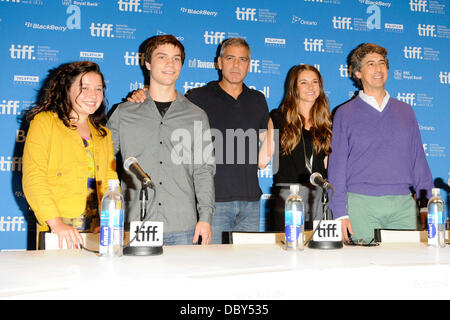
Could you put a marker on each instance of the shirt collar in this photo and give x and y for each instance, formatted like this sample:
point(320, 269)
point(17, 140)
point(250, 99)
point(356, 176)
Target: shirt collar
point(373, 102)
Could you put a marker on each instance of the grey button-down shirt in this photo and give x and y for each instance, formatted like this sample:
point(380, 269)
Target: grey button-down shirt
point(177, 153)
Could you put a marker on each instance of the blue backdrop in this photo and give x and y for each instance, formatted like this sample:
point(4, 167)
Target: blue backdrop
point(38, 35)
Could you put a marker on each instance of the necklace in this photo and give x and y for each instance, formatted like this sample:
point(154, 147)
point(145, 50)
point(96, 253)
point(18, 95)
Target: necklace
point(308, 162)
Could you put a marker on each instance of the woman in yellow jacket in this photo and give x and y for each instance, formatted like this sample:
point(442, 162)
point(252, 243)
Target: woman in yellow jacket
point(68, 156)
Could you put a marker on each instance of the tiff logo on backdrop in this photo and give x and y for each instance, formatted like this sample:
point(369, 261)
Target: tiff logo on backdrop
point(191, 85)
point(14, 224)
point(212, 37)
point(342, 23)
point(24, 52)
point(444, 77)
point(418, 5)
point(134, 58)
point(129, 5)
point(101, 30)
point(6, 164)
point(246, 14)
point(413, 52)
point(10, 107)
point(343, 71)
point(254, 66)
point(315, 45)
point(408, 98)
point(426, 30)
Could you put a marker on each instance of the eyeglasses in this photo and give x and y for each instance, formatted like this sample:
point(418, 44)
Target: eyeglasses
point(362, 243)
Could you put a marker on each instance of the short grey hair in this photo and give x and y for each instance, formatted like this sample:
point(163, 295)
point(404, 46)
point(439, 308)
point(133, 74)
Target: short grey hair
point(235, 42)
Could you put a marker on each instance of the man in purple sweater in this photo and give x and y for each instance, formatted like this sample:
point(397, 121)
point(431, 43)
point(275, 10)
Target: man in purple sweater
point(377, 154)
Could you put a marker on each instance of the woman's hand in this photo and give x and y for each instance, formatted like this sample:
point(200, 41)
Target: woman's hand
point(72, 236)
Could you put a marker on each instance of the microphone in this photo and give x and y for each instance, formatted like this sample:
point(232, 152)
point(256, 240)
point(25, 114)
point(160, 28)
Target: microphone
point(131, 165)
point(146, 237)
point(317, 180)
point(327, 233)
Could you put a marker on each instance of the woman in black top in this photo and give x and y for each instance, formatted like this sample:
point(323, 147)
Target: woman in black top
point(304, 124)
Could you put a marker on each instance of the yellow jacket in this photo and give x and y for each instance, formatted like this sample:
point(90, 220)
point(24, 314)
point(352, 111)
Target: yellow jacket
point(55, 168)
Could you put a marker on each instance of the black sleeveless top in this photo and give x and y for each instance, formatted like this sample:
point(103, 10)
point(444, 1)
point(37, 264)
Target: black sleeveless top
point(292, 168)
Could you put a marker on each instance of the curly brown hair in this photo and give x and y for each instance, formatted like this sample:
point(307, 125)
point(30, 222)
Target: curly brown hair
point(320, 116)
point(357, 55)
point(55, 97)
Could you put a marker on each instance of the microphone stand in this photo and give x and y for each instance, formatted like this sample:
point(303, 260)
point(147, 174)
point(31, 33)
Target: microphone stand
point(326, 216)
point(142, 251)
point(143, 197)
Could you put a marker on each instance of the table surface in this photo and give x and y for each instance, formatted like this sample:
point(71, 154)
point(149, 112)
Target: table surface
point(257, 271)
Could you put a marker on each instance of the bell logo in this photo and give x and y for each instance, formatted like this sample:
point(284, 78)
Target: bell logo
point(20, 136)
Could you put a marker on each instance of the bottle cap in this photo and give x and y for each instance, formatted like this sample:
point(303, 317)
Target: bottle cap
point(294, 188)
point(436, 192)
point(113, 183)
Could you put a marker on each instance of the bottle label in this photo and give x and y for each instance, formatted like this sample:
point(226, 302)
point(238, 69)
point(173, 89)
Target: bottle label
point(293, 223)
point(435, 217)
point(111, 220)
point(432, 230)
point(105, 236)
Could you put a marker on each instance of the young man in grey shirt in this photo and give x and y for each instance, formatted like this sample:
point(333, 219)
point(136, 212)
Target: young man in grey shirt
point(238, 116)
point(171, 140)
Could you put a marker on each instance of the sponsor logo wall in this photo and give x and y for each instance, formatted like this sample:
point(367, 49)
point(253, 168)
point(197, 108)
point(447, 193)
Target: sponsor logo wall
point(40, 35)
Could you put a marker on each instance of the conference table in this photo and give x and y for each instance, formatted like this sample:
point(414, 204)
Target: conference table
point(233, 271)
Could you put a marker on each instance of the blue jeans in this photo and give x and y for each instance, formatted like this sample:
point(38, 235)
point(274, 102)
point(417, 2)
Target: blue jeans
point(178, 238)
point(234, 216)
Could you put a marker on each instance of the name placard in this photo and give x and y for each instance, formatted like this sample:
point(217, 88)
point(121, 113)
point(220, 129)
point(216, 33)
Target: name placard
point(150, 235)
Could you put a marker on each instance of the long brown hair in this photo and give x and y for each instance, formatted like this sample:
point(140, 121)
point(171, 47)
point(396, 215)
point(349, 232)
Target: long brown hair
point(55, 95)
point(320, 116)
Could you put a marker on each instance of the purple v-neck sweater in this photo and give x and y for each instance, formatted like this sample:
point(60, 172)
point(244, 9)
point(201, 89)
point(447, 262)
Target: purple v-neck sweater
point(376, 153)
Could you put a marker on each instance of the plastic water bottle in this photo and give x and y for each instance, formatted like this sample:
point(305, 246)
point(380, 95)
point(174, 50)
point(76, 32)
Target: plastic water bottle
point(294, 220)
point(111, 222)
point(436, 220)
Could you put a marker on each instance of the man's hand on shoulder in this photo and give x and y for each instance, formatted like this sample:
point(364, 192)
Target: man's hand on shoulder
point(138, 96)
